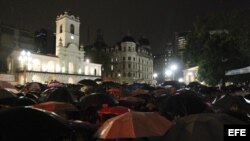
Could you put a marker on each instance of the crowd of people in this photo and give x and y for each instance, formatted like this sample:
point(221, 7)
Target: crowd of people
point(81, 109)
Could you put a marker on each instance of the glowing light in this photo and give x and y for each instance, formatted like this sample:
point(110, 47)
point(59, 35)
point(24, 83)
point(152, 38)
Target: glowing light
point(180, 80)
point(155, 75)
point(168, 72)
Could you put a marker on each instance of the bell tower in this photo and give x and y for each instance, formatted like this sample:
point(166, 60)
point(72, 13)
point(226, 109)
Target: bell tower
point(67, 31)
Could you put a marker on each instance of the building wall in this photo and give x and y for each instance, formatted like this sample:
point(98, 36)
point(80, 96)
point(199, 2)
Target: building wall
point(67, 65)
point(129, 63)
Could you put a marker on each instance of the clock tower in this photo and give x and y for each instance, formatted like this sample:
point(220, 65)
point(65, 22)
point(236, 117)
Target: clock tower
point(67, 42)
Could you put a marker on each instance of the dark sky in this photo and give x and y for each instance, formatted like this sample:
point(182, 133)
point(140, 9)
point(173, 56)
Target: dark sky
point(155, 19)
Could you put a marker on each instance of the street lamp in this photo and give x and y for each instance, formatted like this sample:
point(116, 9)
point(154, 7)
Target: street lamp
point(25, 58)
point(168, 73)
point(173, 67)
point(155, 75)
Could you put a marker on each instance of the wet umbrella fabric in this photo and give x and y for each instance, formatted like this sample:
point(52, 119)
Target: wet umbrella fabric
point(34, 87)
point(205, 127)
point(6, 94)
point(134, 125)
point(233, 103)
point(88, 82)
point(31, 124)
point(6, 85)
point(96, 100)
point(59, 94)
point(183, 104)
point(54, 106)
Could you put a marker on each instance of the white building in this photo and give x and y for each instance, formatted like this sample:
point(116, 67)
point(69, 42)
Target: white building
point(129, 62)
point(67, 66)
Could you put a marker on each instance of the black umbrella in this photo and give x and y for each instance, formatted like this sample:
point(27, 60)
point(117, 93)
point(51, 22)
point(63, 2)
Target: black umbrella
point(23, 101)
point(59, 94)
point(183, 104)
point(232, 103)
point(6, 94)
point(35, 87)
point(88, 82)
point(205, 127)
point(32, 124)
point(96, 100)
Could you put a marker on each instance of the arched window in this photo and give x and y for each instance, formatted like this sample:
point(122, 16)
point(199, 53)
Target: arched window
point(60, 30)
point(72, 29)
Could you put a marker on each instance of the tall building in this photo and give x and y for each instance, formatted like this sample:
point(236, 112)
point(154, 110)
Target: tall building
point(130, 62)
point(162, 61)
point(68, 65)
point(180, 43)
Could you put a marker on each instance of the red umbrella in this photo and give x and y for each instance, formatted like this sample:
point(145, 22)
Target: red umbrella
point(134, 125)
point(117, 110)
point(54, 106)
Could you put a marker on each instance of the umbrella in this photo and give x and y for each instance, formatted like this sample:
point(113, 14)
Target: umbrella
point(116, 110)
point(131, 99)
point(232, 103)
point(23, 101)
point(6, 85)
point(59, 94)
point(183, 104)
point(115, 92)
point(139, 92)
point(205, 127)
point(32, 124)
point(53, 84)
point(33, 87)
point(6, 94)
point(96, 100)
point(134, 125)
point(54, 106)
point(88, 82)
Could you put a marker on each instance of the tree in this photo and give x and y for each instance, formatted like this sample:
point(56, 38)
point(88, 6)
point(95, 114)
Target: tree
point(218, 44)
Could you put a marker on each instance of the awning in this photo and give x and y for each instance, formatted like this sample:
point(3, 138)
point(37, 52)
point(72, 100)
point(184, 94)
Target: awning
point(238, 71)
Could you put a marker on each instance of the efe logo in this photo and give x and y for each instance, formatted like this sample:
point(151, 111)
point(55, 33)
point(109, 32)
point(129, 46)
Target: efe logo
point(236, 132)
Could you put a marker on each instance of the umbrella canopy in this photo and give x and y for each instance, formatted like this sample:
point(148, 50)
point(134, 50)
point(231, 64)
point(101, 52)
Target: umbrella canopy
point(115, 92)
point(59, 94)
point(183, 104)
point(6, 94)
point(54, 106)
point(232, 103)
point(33, 87)
point(23, 101)
point(205, 127)
point(116, 110)
point(6, 85)
point(96, 100)
point(88, 82)
point(32, 124)
point(134, 125)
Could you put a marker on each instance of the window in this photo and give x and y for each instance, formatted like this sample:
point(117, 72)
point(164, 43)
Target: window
point(124, 66)
point(124, 74)
point(124, 58)
point(60, 29)
point(129, 48)
point(129, 58)
point(129, 65)
point(134, 58)
point(116, 59)
point(129, 74)
point(112, 67)
point(111, 59)
point(72, 29)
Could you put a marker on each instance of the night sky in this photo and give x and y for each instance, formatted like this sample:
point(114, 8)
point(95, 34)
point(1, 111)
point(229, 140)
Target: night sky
point(155, 19)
